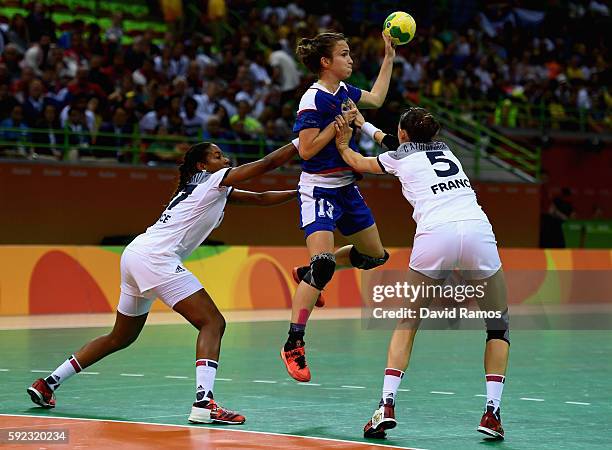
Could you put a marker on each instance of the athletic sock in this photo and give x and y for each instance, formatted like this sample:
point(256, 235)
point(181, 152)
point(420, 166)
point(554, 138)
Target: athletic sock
point(68, 368)
point(206, 371)
point(495, 387)
point(391, 383)
point(296, 336)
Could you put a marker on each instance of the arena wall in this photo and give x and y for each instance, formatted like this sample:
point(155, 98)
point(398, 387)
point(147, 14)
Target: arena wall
point(81, 204)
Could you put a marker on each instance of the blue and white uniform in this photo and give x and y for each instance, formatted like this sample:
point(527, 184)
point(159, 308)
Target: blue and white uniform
point(328, 196)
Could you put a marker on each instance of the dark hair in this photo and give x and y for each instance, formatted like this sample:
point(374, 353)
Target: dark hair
point(188, 169)
point(420, 124)
point(310, 51)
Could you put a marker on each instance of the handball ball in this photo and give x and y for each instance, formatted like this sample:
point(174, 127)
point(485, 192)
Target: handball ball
point(400, 27)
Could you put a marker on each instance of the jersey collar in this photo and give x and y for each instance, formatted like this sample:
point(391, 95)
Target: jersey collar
point(324, 89)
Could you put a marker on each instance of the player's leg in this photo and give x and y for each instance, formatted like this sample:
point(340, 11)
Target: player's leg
point(480, 254)
point(131, 316)
point(200, 310)
point(496, 353)
point(321, 270)
point(398, 358)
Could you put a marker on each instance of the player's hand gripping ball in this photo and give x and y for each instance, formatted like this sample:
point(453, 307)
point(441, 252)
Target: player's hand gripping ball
point(400, 27)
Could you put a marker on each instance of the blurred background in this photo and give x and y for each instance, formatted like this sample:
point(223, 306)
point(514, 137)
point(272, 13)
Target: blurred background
point(99, 100)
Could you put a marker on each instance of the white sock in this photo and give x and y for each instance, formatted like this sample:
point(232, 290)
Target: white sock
point(391, 383)
point(70, 367)
point(495, 387)
point(206, 371)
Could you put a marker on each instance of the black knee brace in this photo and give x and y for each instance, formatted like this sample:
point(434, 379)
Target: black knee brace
point(499, 328)
point(321, 271)
point(365, 262)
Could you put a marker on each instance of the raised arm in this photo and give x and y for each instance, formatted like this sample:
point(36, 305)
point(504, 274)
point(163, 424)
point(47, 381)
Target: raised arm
point(352, 158)
point(253, 169)
point(376, 97)
point(267, 198)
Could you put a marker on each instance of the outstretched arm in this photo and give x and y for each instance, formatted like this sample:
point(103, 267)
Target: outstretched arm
point(267, 198)
point(376, 97)
point(253, 169)
point(352, 158)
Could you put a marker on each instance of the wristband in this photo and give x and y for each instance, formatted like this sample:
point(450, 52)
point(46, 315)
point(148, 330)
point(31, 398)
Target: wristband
point(369, 129)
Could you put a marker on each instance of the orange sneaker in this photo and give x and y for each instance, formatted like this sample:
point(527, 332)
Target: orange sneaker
point(41, 394)
point(382, 419)
point(295, 362)
point(298, 275)
point(490, 424)
point(208, 411)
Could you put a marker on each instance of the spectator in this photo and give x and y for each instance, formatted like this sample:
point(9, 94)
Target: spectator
point(156, 118)
point(243, 124)
point(79, 136)
point(37, 56)
point(18, 33)
point(114, 33)
point(193, 122)
point(14, 130)
point(39, 22)
point(285, 72)
point(48, 139)
point(35, 103)
point(116, 135)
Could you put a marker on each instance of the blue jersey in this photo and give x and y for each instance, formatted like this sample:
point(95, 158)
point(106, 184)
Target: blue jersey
point(318, 108)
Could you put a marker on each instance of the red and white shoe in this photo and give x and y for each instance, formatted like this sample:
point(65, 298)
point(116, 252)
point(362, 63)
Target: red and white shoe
point(209, 411)
point(41, 394)
point(382, 419)
point(298, 275)
point(490, 424)
point(295, 363)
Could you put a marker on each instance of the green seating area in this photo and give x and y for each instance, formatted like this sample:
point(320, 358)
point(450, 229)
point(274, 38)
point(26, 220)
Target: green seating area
point(588, 233)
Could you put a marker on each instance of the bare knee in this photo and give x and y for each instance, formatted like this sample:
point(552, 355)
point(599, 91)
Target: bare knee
point(211, 322)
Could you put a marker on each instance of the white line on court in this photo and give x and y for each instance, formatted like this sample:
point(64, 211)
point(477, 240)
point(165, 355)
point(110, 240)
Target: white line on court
point(178, 377)
point(89, 373)
point(357, 444)
point(309, 384)
point(532, 399)
point(403, 390)
point(40, 371)
point(578, 403)
point(4, 370)
point(480, 395)
point(442, 392)
point(132, 374)
point(352, 387)
point(264, 381)
point(223, 379)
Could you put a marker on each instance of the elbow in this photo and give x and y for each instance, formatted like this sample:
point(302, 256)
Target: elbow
point(304, 154)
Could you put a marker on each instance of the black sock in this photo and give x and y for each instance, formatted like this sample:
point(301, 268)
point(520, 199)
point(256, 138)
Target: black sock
point(296, 336)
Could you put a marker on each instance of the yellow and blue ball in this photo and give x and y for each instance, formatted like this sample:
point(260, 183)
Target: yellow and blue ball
point(400, 27)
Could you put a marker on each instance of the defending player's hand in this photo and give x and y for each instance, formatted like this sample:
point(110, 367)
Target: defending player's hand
point(359, 119)
point(389, 46)
point(351, 113)
point(343, 132)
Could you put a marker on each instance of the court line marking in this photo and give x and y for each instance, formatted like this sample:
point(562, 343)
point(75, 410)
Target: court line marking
point(442, 392)
point(348, 386)
point(4, 370)
point(309, 384)
point(403, 390)
point(578, 403)
point(132, 374)
point(529, 399)
point(223, 379)
point(480, 395)
point(264, 381)
point(212, 429)
point(40, 371)
point(178, 377)
point(89, 373)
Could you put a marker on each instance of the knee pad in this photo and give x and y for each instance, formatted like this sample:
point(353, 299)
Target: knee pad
point(321, 271)
point(499, 328)
point(365, 262)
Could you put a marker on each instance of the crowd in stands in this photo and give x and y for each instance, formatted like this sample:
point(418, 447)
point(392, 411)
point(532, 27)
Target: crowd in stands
point(75, 91)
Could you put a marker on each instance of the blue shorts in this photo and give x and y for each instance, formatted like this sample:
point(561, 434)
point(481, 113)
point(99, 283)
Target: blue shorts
point(324, 209)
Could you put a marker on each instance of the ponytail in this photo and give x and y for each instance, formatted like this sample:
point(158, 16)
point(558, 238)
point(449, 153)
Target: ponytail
point(420, 124)
point(188, 168)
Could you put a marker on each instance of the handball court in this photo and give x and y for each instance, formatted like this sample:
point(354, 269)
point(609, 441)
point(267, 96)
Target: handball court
point(557, 391)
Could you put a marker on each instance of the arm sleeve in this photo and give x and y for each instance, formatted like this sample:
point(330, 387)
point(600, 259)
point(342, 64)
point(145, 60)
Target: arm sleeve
point(387, 163)
point(390, 142)
point(309, 118)
point(354, 93)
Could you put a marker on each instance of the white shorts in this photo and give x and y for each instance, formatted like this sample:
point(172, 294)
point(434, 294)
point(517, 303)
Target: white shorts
point(467, 245)
point(145, 278)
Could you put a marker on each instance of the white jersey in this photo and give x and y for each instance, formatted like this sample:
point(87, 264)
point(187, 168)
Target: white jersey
point(189, 218)
point(434, 183)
